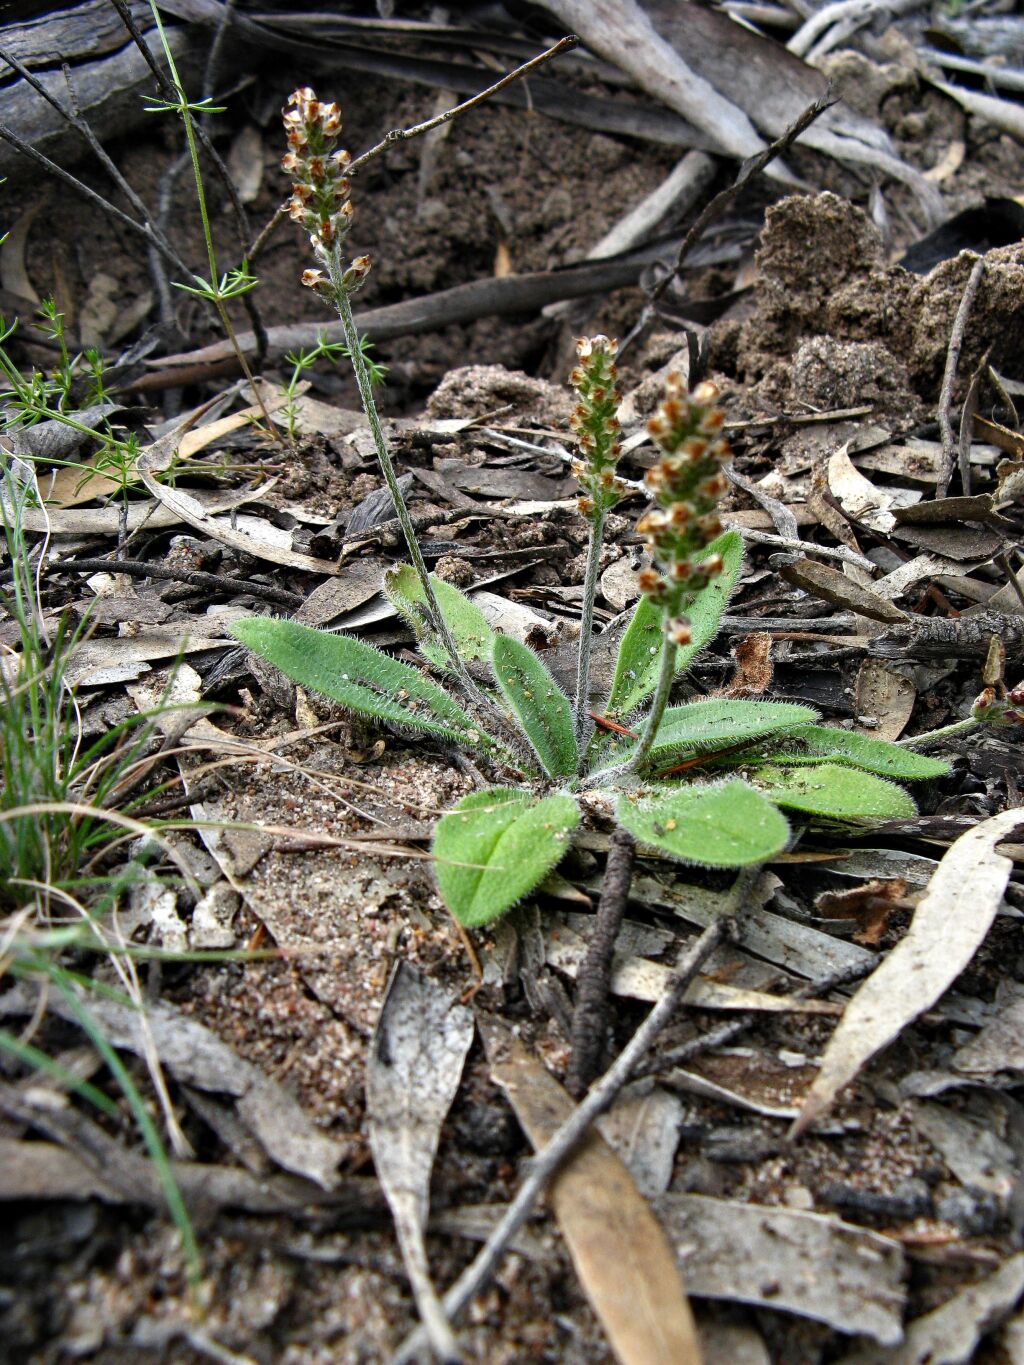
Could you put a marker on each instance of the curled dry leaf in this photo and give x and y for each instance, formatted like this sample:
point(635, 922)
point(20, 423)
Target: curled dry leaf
point(415, 1064)
point(949, 924)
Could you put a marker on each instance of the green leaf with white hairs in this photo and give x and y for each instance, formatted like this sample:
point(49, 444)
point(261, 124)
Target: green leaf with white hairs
point(361, 678)
point(812, 744)
point(495, 846)
point(832, 791)
point(726, 825)
point(719, 723)
point(540, 706)
point(466, 623)
point(639, 658)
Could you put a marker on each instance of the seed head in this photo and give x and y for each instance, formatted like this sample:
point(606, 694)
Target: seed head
point(596, 426)
point(685, 484)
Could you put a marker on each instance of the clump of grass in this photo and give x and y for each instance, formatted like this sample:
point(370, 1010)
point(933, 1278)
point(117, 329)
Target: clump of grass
point(64, 818)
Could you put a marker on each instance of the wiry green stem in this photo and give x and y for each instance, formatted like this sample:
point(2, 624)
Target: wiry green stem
point(582, 716)
point(362, 374)
point(666, 676)
point(958, 727)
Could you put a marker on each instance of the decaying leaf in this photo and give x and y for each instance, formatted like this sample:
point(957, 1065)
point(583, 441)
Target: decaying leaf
point(619, 1250)
point(802, 1262)
point(415, 1064)
point(949, 924)
point(949, 1335)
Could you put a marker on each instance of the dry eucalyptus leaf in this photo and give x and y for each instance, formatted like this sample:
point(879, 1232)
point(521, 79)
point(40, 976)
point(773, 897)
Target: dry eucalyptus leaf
point(415, 1064)
point(885, 700)
point(949, 924)
point(194, 1055)
point(950, 1335)
point(833, 586)
point(620, 1252)
point(803, 1263)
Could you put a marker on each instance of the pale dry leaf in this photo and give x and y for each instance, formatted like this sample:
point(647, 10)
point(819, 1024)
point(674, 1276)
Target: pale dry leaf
point(950, 922)
point(621, 1254)
point(884, 699)
point(950, 1335)
point(806, 1263)
point(415, 1064)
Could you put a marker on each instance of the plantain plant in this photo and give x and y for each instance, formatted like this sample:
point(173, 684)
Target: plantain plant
point(705, 782)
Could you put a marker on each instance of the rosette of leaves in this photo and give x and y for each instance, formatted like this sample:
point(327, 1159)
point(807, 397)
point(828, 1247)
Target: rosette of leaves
point(713, 790)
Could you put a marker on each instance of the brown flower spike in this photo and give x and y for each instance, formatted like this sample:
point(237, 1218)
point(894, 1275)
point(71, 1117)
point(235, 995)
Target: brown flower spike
point(320, 187)
point(686, 483)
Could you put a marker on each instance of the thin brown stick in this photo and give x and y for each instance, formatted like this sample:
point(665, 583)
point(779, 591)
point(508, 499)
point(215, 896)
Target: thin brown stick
point(140, 568)
point(548, 1160)
point(590, 1017)
point(402, 134)
point(947, 462)
point(565, 44)
point(751, 167)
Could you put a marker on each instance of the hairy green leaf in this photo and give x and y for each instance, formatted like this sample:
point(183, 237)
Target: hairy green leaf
point(824, 743)
point(495, 846)
point(720, 722)
point(361, 678)
point(541, 707)
point(636, 668)
point(834, 792)
point(466, 622)
point(726, 825)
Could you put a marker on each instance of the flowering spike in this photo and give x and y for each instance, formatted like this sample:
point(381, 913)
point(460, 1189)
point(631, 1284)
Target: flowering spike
point(596, 427)
point(320, 188)
point(685, 485)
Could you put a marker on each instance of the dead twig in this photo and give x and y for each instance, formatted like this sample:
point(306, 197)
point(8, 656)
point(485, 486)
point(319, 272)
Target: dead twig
point(402, 134)
point(948, 459)
point(590, 1017)
point(140, 568)
point(600, 1097)
point(564, 45)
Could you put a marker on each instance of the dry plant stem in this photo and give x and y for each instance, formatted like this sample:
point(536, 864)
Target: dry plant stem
point(956, 341)
point(583, 722)
point(111, 210)
point(344, 306)
point(215, 582)
point(749, 168)
point(547, 1161)
point(402, 134)
point(590, 1017)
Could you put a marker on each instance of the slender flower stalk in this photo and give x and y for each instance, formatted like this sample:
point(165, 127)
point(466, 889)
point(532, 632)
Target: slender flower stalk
point(686, 483)
point(321, 203)
point(597, 436)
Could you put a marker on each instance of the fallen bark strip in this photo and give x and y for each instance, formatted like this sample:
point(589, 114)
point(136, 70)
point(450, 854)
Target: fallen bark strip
point(463, 303)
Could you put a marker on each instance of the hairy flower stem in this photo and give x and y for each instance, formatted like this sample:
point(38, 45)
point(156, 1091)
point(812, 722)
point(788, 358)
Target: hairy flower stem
point(583, 722)
point(958, 727)
point(344, 305)
point(666, 676)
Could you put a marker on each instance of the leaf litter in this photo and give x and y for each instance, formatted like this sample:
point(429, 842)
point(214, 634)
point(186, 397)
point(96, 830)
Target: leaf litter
point(814, 342)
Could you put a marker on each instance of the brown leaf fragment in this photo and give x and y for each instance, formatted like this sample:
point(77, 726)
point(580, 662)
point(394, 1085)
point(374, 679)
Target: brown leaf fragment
point(415, 1063)
point(885, 700)
point(620, 1252)
point(805, 1263)
point(870, 904)
point(832, 586)
point(1000, 1044)
point(754, 668)
point(949, 924)
point(1002, 437)
point(945, 511)
point(950, 1335)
